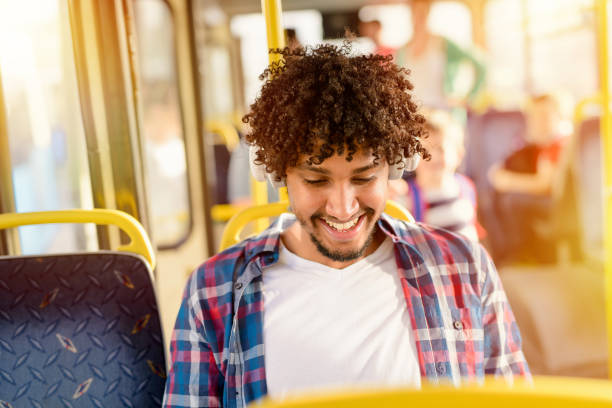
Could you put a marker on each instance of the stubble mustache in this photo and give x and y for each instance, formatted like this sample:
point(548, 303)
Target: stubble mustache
point(339, 256)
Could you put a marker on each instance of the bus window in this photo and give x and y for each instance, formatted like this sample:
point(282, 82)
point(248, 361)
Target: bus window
point(45, 132)
point(450, 19)
point(563, 47)
point(538, 47)
point(251, 30)
point(162, 127)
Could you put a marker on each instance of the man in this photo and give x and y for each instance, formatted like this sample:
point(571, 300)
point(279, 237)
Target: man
point(338, 294)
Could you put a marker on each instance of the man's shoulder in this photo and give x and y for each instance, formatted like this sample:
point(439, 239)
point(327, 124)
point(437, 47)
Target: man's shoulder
point(434, 242)
point(229, 264)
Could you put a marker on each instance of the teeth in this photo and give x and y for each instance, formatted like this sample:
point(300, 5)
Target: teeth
point(342, 227)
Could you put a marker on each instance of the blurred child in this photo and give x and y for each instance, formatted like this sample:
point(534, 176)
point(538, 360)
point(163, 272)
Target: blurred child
point(531, 169)
point(437, 194)
point(524, 180)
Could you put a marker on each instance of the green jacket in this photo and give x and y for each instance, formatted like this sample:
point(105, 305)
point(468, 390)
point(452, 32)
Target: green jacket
point(455, 55)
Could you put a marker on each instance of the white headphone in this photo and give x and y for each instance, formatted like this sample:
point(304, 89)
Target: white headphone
point(259, 170)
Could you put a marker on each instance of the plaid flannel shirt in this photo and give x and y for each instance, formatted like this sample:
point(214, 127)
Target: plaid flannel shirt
point(461, 320)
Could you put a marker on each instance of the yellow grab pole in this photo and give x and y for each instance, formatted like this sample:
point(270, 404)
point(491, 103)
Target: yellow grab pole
point(604, 68)
point(272, 11)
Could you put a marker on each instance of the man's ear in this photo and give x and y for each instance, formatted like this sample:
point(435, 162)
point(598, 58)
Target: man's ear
point(259, 170)
point(407, 164)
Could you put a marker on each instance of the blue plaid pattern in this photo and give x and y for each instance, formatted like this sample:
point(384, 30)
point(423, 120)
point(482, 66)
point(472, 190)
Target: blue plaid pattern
point(462, 322)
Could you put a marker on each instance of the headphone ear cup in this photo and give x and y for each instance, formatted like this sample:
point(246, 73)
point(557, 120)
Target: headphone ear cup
point(412, 162)
point(276, 184)
point(257, 170)
point(407, 164)
point(395, 172)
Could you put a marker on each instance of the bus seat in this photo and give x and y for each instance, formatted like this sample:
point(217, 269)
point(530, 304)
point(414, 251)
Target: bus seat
point(231, 233)
point(543, 392)
point(490, 138)
point(589, 181)
point(80, 329)
point(228, 140)
point(560, 311)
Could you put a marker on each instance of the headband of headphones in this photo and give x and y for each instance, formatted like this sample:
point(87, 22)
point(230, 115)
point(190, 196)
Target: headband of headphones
point(259, 170)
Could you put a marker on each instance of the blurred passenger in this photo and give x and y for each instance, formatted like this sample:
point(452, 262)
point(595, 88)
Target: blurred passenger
point(435, 63)
point(291, 39)
point(372, 29)
point(524, 180)
point(165, 161)
point(437, 194)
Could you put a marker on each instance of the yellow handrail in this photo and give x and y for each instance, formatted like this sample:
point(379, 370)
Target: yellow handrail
point(604, 68)
point(580, 109)
point(223, 212)
point(273, 11)
point(231, 233)
point(139, 241)
point(226, 130)
point(396, 210)
point(544, 392)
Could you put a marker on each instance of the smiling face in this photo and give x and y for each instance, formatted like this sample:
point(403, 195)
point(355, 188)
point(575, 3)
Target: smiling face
point(337, 204)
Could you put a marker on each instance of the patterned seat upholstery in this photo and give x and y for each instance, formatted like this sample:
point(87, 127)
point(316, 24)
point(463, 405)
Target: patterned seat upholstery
point(79, 331)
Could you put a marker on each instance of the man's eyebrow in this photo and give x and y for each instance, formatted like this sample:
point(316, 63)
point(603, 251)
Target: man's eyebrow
point(315, 169)
point(365, 168)
point(321, 170)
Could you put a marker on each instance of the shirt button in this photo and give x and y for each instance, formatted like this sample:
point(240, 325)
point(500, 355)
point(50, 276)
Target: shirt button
point(238, 286)
point(458, 325)
point(440, 368)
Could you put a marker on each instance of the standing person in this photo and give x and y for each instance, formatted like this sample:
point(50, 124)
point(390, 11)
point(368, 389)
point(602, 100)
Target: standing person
point(338, 294)
point(435, 61)
point(437, 194)
point(372, 29)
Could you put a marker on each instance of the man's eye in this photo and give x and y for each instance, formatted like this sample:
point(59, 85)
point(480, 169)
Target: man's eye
point(314, 182)
point(363, 180)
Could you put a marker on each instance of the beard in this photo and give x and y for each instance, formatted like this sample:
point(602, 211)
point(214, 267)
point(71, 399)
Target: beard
point(335, 255)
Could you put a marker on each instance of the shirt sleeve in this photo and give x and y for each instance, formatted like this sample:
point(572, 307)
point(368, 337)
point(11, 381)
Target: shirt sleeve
point(194, 379)
point(502, 340)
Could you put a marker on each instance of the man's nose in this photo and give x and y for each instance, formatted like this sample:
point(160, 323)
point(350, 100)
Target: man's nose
point(342, 203)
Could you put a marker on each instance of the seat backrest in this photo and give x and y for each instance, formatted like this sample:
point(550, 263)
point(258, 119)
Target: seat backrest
point(490, 138)
point(80, 330)
point(80, 327)
point(589, 184)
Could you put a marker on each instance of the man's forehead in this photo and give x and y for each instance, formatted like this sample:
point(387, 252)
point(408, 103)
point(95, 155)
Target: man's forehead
point(359, 160)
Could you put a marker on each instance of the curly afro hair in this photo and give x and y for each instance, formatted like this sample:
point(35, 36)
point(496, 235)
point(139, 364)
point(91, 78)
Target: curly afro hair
point(322, 101)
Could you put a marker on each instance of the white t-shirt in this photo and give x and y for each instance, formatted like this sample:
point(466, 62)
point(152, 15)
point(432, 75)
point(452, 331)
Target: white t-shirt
point(330, 328)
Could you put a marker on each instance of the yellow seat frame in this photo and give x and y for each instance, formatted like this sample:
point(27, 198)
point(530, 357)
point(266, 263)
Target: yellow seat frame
point(139, 240)
point(544, 392)
point(231, 233)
